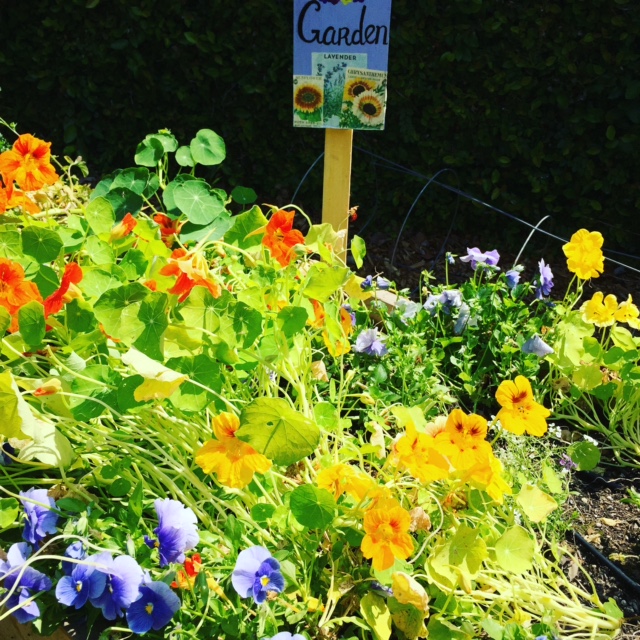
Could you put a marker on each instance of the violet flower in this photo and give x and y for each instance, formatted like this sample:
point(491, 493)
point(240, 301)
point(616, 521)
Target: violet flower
point(370, 343)
point(177, 531)
point(545, 280)
point(155, 605)
point(382, 283)
point(367, 283)
point(75, 551)
point(24, 586)
point(408, 309)
point(431, 304)
point(256, 573)
point(286, 635)
point(566, 462)
point(476, 257)
point(40, 520)
point(450, 299)
point(537, 346)
point(123, 577)
point(83, 583)
point(513, 277)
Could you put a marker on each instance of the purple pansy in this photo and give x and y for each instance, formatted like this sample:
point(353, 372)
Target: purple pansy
point(537, 346)
point(566, 462)
point(476, 257)
point(382, 283)
point(155, 605)
point(256, 573)
point(450, 299)
point(513, 277)
point(40, 519)
point(371, 343)
point(367, 283)
point(177, 531)
point(431, 304)
point(83, 583)
point(25, 583)
point(545, 280)
point(286, 635)
point(123, 577)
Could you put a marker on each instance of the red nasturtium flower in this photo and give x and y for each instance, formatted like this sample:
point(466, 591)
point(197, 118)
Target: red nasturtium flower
point(169, 227)
point(12, 198)
point(55, 302)
point(192, 271)
point(28, 163)
point(123, 228)
point(15, 291)
point(184, 577)
point(280, 237)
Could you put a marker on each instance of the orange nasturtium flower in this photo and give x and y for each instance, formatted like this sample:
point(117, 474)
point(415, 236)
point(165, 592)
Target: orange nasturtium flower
point(192, 271)
point(340, 346)
point(387, 534)
point(520, 412)
point(4, 199)
point(628, 312)
point(184, 577)
point(169, 227)
point(584, 254)
point(231, 459)
point(280, 237)
point(16, 199)
point(28, 163)
point(486, 475)
point(15, 291)
point(463, 439)
point(599, 310)
point(54, 303)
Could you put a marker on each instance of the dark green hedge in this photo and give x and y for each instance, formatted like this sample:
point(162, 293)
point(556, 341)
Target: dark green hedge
point(536, 105)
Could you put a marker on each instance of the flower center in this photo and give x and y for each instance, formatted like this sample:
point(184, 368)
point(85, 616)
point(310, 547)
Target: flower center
point(264, 581)
point(385, 531)
point(149, 608)
point(79, 586)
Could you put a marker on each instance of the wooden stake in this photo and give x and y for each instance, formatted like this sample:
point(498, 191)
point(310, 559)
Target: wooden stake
point(336, 189)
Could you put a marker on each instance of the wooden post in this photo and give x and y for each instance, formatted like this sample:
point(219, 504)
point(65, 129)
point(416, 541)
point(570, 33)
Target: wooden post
point(336, 189)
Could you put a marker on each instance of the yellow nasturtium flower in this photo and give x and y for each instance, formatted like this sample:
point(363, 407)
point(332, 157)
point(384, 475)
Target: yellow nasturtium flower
point(387, 535)
point(599, 310)
point(418, 453)
point(628, 313)
point(520, 412)
point(584, 254)
point(232, 460)
point(463, 439)
point(343, 478)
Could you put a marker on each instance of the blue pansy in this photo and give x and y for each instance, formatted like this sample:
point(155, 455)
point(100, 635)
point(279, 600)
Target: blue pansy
point(84, 582)
point(176, 532)
point(537, 346)
point(286, 635)
point(155, 606)
point(123, 577)
point(40, 519)
point(256, 574)
point(370, 342)
point(545, 280)
point(476, 257)
point(513, 277)
point(75, 551)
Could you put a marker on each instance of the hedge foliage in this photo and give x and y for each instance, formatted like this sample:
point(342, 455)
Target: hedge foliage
point(536, 105)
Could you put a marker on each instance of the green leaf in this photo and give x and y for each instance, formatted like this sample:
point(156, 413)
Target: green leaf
point(260, 513)
point(153, 315)
point(277, 431)
point(134, 264)
point(100, 215)
point(124, 201)
point(358, 250)
point(5, 321)
point(247, 324)
point(184, 157)
point(134, 508)
point(46, 280)
point(292, 320)
point(244, 195)
point(149, 152)
point(213, 231)
point(612, 609)
point(551, 478)
point(323, 281)
point(312, 507)
point(166, 139)
point(42, 244)
point(11, 243)
point(71, 505)
point(99, 251)
point(196, 201)
point(514, 550)
point(326, 416)
point(134, 179)
point(9, 510)
point(117, 310)
point(168, 194)
point(376, 614)
point(208, 148)
point(535, 503)
point(245, 224)
point(201, 369)
point(31, 323)
point(96, 387)
point(492, 628)
point(467, 550)
point(585, 454)
point(119, 487)
point(126, 391)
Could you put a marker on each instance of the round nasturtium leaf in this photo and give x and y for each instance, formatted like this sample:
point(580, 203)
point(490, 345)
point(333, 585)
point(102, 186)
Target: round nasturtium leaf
point(514, 550)
point(312, 507)
point(42, 244)
point(195, 200)
point(208, 148)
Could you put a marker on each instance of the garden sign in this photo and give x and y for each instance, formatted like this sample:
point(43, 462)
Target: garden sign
point(340, 56)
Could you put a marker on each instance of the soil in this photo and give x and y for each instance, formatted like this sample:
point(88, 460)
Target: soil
point(607, 543)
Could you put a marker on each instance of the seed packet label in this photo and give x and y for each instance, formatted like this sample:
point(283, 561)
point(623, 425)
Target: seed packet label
point(340, 42)
point(308, 101)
